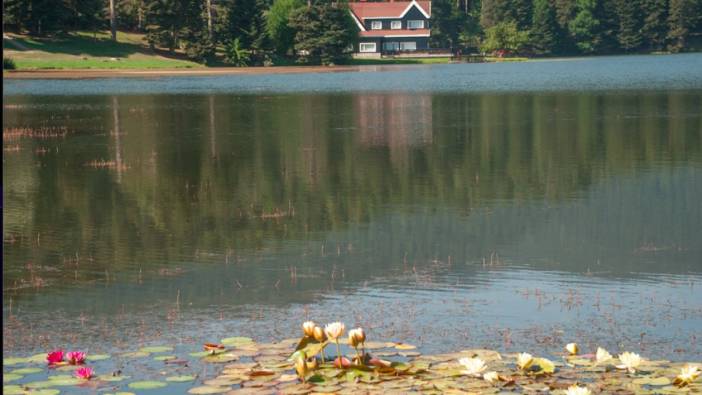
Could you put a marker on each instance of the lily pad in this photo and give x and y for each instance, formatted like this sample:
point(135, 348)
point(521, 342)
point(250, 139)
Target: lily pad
point(7, 377)
point(44, 391)
point(208, 389)
point(147, 385)
point(61, 380)
point(135, 354)
point(13, 361)
point(402, 346)
point(110, 378)
point(165, 357)
point(220, 358)
point(12, 390)
point(655, 381)
point(156, 349)
point(236, 341)
point(97, 357)
point(27, 370)
point(200, 354)
point(37, 358)
point(180, 379)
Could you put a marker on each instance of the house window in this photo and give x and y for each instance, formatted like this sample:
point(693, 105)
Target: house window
point(396, 25)
point(391, 46)
point(415, 24)
point(376, 25)
point(408, 46)
point(366, 47)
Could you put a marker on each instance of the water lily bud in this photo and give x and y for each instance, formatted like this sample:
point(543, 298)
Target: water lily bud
point(356, 337)
point(308, 328)
point(360, 335)
point(572, 348)
point(318, 334)
point(334, 330)
point(301, 368)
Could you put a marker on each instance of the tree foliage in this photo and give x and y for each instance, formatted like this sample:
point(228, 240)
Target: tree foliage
point(278, 26)
point(324, 32)
point(505, 36)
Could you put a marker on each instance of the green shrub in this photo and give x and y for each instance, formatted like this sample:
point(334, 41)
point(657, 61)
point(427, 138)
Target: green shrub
point(8, 64)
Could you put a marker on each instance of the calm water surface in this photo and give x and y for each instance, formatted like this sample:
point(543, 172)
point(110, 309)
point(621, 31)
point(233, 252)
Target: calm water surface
point(428, 204)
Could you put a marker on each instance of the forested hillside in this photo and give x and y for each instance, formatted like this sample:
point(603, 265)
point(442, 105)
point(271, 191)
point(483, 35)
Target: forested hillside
point(251, 32)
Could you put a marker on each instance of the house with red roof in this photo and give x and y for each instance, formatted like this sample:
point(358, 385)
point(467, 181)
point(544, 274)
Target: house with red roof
point(391, 26)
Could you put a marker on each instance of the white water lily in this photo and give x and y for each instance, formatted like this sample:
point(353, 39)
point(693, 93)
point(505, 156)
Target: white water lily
point(575, 390)
point(474, 366)
point(688, 374)
point(572, 348)
point(602, 355)
point(308, 328)
point(334, 330)
point(524, 360)
point(629, 361)
point(491, 377)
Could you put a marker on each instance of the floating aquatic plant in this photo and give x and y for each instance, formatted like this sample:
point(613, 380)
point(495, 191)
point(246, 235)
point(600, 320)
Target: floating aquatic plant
point(85, 373)
point(602, 356)
point(688, 374)
point(55, 357)
point(524, 360)
point(308, 328)
point(76, 357)
point(576, 390)
point(572, 348)
point(473, 366)
point(356, 338)
point(333, 332)
point(491, 377)
point(213, 348)
point(629, 361)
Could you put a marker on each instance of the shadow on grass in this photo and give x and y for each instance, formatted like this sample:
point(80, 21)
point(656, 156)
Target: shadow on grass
point(85, 45)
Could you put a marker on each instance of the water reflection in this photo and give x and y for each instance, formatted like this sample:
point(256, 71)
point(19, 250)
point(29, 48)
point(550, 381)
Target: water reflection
point(254, 200)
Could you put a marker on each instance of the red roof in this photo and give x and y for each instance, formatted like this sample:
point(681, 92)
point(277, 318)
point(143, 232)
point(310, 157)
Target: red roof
point(392, 9)
point(395, 33)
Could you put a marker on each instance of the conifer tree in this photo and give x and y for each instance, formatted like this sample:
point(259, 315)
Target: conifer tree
point(655, 23)
point(630, 22)
point(544, 31)
point(584, 26)
point(681, 20)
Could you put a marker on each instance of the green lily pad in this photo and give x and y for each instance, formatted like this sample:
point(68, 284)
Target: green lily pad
point(97, 357)
point(37, 358)
point(67, 368)
point(201, 354)
point(208, 389)
point(110, 378)
point(236, 341)
point(12, 390)
point(7, 377)
point(44, 391)
point(147, 385)
point(27, 370)
point(165, 357)
point(156, 349)
point(135, 354)
point(220, 358)
point(13, 361)
point(61, 380)
point(180, 379)
point(121, 393)
point(655, 381)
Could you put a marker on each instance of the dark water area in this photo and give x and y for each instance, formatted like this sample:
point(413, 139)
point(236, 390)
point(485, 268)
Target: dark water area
point(450, 220)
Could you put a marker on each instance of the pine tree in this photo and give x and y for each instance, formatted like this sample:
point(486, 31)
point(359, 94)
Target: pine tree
point(493, 12)
point(584, 26)
point(179, 23)
point(324, 32)
point(682, 19)
point(247, 23)
point(544, 32)
point(630, 22)
point(655, 25)
point(278, 27)
point(607, 31)
point(446, 24)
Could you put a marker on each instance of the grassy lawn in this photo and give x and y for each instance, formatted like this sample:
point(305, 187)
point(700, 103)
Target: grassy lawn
point(89, 51)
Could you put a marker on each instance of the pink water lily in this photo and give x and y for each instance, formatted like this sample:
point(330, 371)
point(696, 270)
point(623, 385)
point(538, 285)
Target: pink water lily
point(85, 373)
point(76, 357)
point(55, 357)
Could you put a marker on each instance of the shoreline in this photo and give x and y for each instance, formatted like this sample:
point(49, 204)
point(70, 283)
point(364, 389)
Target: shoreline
point(122, 73)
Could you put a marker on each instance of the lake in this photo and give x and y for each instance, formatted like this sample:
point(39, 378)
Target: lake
point(510, 206)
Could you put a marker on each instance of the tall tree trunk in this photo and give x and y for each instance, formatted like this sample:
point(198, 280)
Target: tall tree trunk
point(209, 18)
point(113, 21)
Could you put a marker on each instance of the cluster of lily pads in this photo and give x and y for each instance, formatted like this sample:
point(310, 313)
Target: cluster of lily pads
point(301, 366)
